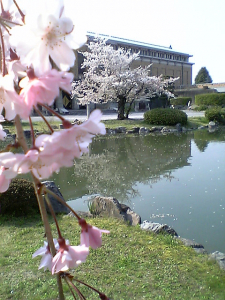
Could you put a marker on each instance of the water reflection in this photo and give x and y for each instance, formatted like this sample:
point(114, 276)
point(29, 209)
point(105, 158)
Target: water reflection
point(117, 164)
point(173, 179)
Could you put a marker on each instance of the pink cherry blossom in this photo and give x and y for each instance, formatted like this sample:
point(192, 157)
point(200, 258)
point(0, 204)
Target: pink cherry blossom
point(46, 260)
point(42, 90)
point(7, 161)
point(42, 165)
point(91, 235)
point(76, 138)
point(2, 132)
point(4, 182)
point(49, 34)
point(8, 96)
point(68, 257)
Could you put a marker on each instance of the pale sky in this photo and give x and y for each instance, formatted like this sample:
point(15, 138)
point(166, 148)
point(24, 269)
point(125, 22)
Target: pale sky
point(196, 27)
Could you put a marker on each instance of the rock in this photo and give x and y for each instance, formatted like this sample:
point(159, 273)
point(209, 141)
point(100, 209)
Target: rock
point(165, 129)
point(179, 127)
point(158, 228)
point(27, 133)
point(110, 131)
point(136, 129)
point(6, 131)
point(212, 127)
point(110, 207)
point(82, 214)
point(196, 246)
point(142, 130)
point(219, 257)
point(202, 127)
point(211, 124)
point(153, 129)
point(121, 130)
point(200, 250)
point(57, 206)
point(130, 131)
point(77, 122)
point(190, 243)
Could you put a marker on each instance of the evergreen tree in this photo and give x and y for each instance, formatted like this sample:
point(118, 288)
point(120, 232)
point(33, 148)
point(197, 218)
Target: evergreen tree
point(203, 76)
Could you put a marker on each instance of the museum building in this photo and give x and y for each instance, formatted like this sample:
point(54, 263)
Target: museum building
point(165, 61)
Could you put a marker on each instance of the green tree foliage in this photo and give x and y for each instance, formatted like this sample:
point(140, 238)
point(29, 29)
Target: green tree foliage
point(203, 76)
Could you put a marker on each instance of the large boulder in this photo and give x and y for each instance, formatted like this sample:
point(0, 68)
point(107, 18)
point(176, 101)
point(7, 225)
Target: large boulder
point(110, 207)
point(57, 206)
point(199, 248)
point(158, 228)
point(220, 258)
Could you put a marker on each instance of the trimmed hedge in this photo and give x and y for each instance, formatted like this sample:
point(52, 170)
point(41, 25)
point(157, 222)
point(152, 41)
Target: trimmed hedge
point(180, 101)
point(165, 116)
point(200, 107)
point(215, 114)
point(19, 199)
point(217, 99)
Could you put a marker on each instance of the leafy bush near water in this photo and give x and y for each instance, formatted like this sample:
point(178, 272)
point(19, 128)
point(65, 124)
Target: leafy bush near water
point(215, 99)
point(180, 101)
point(165, 116)
point(200, 108)
point(19, 199)
point(215, 114)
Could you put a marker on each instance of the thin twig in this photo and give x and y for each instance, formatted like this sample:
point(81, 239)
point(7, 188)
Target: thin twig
point(66, 124)
point(48, 231)
point(70, 288)
point(76, 289)
point(43, 117)
point(53, 214)
point(45, 189)
point(20, 11)
point(32, 131)
point(3, 54)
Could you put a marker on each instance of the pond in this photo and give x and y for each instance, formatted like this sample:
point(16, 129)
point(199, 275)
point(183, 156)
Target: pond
point(176, 179)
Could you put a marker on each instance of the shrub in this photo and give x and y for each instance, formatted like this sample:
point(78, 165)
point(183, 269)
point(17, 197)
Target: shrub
point(165, 116)
point(200, 107)
point(19, 199)
point(217, 99)
point(180, 101)
point(215, 114)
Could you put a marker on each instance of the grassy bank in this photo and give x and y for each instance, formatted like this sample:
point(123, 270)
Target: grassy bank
point(131, 264)
point(193, 122)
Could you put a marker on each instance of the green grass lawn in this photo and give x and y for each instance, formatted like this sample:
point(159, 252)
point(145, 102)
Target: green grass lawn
point(131, 264)
point(193, 122)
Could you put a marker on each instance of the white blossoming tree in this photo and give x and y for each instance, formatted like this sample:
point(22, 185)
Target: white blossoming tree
point(109, 76)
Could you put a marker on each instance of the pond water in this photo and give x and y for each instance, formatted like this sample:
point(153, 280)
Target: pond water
point(177, 179)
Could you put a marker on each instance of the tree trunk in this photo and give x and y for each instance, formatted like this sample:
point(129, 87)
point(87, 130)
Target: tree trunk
point(129, 109)
point(121, 108)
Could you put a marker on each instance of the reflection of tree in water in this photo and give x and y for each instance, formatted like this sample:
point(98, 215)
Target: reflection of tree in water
point(201, 144)
point(203, 137)
point(117, 163)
